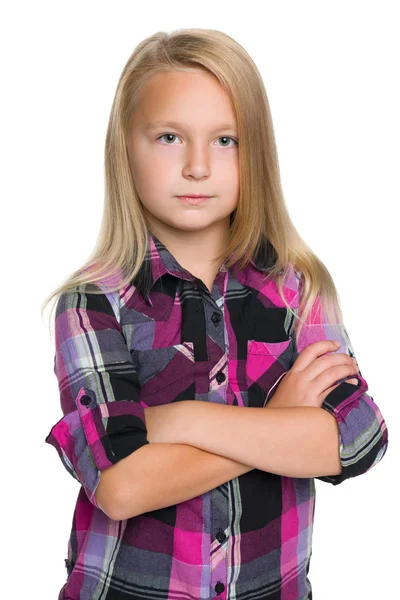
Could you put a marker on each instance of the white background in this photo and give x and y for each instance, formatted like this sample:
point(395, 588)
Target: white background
point(331, 71)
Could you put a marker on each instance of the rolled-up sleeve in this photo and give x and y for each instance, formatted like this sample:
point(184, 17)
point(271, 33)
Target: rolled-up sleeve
point(103, 420)
point(362, 429)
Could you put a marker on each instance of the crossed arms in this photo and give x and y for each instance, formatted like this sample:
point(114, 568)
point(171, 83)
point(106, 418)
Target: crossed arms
point(196, 446)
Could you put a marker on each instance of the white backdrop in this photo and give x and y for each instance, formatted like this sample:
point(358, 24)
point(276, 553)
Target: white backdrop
point(331, 70)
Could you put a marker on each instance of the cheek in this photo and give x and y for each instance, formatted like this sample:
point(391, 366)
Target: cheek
point(229, 191)
point(152, 180)
point(228, 175)
point(150, 168)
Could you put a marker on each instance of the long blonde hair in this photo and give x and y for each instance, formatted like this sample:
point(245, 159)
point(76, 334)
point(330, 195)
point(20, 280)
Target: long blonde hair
point(261, 211)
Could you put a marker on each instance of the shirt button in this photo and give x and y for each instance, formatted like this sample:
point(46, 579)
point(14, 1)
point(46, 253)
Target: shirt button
point(215, 317)
point(221, 537)
point(219, 588)
point(220, 377)
point(86, 400)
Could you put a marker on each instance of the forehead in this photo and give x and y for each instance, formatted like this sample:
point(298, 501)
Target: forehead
point(185, 100)
point(149, 125)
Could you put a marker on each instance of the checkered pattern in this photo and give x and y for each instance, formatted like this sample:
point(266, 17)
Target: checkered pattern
point(163, 338)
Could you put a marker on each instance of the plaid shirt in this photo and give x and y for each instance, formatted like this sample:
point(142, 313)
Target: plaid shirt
point(165, 338)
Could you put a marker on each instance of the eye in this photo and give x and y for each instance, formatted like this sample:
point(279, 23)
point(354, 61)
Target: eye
point(172, 135)
point(167, 135)
point(227, 137)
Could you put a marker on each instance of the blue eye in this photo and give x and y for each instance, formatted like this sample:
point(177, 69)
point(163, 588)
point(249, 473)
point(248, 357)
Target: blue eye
point(224, 137)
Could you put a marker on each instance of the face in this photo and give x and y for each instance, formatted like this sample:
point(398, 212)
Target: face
point(197, 154)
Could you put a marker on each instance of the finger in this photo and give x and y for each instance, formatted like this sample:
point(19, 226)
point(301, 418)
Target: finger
point(312, 352)
point(330, 376)
point(324, 394)
point(353, 380)
point(330, 361)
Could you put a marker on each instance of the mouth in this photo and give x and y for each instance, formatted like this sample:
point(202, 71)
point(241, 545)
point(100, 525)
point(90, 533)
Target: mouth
point(194, 196)
point(192, 199)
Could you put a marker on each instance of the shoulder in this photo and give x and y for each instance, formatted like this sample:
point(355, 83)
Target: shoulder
point(101, 296)
point(292, 285)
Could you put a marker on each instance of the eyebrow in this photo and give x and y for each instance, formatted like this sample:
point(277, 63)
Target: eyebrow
point(176, 124)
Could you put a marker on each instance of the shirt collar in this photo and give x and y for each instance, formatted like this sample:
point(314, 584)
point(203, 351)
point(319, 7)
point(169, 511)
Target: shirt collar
point(158, 261)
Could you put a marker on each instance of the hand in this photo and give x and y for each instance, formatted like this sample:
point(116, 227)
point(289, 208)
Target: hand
point(310, 379)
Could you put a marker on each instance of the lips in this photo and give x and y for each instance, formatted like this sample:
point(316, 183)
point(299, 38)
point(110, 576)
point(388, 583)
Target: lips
point(193, 199)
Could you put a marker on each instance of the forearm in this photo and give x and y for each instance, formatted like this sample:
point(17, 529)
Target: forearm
point(160, 475)
point(292, 442)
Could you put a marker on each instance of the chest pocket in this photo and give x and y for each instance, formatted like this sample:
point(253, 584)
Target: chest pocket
point(166, 374)
point(266, 363)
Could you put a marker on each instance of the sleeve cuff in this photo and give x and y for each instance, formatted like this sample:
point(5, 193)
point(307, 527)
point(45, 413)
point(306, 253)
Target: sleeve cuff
point(362, 430)
point(343, 394)
point(96, 436)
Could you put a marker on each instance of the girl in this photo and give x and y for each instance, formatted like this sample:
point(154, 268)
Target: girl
point(199, 302)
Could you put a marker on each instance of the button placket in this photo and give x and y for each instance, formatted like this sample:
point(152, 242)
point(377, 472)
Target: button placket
point(216, 318)
point(221, 537)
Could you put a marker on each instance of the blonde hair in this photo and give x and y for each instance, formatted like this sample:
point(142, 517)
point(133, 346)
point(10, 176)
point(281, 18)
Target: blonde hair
point(261, 211)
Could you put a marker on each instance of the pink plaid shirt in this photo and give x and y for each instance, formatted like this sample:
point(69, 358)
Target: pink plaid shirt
point(163, 338)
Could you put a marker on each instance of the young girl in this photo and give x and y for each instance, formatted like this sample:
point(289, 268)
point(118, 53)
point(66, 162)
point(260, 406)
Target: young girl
point(199, 302)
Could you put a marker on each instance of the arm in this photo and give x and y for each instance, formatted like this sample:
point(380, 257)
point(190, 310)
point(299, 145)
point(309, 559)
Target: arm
point(160, 475)
point(293, 442)
point(344, 438)
point(171, 473)
point(103, 419)
point(363, 433)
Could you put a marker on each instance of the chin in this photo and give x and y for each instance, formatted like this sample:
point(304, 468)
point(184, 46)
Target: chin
point(189, 224)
